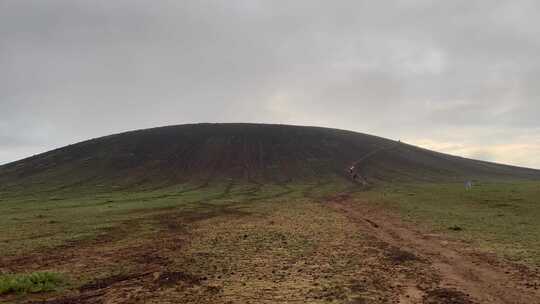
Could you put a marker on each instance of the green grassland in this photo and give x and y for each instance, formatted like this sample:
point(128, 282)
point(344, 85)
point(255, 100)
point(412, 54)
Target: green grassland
point(38, 220)
point(239, 232)
point(501, 217)
point(30, 283)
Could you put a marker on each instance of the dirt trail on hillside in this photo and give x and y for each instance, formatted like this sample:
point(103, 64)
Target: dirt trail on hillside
point(464, 274)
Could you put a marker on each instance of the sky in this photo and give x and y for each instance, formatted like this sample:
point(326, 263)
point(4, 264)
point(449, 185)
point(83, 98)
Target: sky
point(460, 76)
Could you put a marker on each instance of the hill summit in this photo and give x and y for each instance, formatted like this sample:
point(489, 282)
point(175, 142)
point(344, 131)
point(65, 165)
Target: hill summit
point(257, 153)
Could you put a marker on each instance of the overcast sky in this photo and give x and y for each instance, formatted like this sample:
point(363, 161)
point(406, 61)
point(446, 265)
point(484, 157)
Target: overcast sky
point(457, 76)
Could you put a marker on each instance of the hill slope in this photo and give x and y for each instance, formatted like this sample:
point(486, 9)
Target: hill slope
point(250, 152)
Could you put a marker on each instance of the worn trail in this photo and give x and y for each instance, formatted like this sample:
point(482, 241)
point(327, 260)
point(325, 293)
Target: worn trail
point(464, 274)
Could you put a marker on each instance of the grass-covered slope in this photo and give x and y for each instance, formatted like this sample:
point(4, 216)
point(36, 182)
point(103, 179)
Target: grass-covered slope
point(248, 152)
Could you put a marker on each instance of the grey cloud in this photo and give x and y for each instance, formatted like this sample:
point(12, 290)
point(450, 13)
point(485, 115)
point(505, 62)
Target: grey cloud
point(410, 69)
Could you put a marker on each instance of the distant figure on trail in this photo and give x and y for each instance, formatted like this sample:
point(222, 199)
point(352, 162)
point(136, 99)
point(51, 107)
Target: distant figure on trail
point(356, 177)
point(468, 185)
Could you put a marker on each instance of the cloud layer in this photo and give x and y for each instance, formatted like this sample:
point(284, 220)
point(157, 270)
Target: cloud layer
point(457, 76)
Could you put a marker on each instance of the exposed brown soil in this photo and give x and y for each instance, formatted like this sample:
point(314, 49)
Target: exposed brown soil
point(172, 278)
point(456, 271)
point(446, 296)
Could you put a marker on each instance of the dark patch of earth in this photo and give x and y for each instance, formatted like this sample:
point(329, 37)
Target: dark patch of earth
point(446, 296)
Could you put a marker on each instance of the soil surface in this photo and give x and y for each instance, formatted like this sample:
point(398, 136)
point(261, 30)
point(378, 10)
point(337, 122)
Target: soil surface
point(342, 250)
point(463, 273)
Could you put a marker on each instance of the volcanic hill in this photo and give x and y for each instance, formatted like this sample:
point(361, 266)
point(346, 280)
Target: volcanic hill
point(258, 153)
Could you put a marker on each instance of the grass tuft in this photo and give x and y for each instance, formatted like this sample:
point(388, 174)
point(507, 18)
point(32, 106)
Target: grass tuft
point(30, 283)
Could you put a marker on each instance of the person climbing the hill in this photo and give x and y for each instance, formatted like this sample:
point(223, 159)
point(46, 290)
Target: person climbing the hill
point(356, 176)
point(353, 173)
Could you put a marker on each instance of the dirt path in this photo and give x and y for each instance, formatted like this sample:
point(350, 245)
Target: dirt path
point(464, 274)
